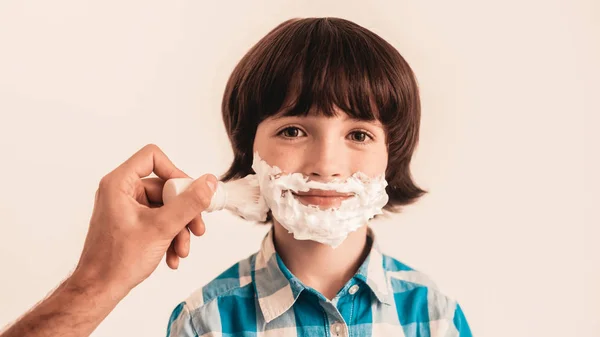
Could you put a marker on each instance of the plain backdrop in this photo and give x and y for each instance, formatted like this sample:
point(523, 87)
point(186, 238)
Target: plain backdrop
point(509, 105)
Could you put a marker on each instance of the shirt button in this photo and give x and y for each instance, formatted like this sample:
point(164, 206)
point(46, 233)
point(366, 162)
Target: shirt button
point(336, 328)
point(353, 289)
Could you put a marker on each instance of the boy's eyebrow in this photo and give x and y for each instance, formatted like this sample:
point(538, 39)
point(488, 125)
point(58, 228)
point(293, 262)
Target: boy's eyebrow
point(374, 122)
point(279, 115)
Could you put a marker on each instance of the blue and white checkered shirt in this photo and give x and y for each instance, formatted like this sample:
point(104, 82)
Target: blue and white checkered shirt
point(260, 297)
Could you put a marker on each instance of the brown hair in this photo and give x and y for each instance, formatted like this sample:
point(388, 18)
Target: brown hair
point(323, 63)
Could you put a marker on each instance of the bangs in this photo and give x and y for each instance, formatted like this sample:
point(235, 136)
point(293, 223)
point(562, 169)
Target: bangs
point(317, 66)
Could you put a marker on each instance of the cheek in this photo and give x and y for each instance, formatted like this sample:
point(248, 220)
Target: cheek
point(276, 157)
point(372, 163)
point(274, 154)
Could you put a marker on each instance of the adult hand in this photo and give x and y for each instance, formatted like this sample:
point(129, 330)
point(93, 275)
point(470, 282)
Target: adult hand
point(131, 230)
point(127, 238)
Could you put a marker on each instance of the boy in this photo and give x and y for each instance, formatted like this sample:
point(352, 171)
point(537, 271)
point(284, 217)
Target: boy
point(325, 98)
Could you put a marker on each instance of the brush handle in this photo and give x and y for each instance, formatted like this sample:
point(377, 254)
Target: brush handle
point(173, 187)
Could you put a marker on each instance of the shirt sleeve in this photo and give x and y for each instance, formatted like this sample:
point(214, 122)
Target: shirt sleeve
point(180, 322)
point(460, 323)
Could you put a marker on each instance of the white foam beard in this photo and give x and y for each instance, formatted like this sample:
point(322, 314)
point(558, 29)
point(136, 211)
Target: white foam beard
point(329, 226)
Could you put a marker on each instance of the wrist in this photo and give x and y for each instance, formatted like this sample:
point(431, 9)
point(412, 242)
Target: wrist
point(91, 285)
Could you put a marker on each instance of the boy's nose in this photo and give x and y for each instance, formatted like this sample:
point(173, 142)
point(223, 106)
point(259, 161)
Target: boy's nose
point(326, 160)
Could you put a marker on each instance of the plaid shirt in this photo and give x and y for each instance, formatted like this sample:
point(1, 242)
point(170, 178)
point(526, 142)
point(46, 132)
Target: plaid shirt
point(260, 297)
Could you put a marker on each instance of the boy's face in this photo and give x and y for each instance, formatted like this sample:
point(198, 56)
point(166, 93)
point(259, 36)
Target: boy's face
point(322, 148)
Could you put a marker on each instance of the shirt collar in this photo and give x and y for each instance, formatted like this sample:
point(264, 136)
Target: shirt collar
point(277, 289)
point(373, 272)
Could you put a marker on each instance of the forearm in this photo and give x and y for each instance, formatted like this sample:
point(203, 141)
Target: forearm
point(74, 309)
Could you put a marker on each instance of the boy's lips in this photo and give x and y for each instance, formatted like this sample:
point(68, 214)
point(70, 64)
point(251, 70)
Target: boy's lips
point(325, 199)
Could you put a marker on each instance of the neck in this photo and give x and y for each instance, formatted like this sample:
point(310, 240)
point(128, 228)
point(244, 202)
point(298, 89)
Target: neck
point(319, 266)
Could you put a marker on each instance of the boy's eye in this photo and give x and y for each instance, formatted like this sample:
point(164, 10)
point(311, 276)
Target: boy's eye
point(290, 132)
point(359, 136)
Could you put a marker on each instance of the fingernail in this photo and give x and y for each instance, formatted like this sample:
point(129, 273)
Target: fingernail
point(211, 181)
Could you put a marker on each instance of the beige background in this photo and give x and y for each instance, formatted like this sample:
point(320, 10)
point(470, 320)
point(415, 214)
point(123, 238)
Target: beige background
point(505, 87)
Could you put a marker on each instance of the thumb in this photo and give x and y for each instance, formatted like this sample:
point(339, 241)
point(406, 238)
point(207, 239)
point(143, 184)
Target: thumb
point(188, 204)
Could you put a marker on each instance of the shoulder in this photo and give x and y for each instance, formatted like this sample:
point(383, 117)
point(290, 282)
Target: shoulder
point(416, 294)
point(234, 281)
point(404, 275)
point(200, 311)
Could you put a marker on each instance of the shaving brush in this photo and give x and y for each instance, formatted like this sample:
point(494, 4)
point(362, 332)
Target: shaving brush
point(242, 196)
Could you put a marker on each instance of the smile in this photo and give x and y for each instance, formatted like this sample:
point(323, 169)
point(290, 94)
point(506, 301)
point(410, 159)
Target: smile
point(324, 199)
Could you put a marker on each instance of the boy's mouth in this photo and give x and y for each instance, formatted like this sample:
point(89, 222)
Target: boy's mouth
point(322, 198)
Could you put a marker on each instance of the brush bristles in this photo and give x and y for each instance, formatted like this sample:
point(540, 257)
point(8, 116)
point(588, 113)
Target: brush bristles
point(245, 200)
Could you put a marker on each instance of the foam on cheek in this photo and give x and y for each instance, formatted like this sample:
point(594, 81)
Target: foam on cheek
point(307, 222)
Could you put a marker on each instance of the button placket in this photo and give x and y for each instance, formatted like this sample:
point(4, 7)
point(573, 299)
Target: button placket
point(337, 326)
point(337, 329)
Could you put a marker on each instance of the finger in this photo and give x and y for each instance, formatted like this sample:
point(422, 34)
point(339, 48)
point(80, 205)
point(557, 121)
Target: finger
point(146, 190)
point(153, 189)
point(180, 211)
point(182, 243)
point(147, 160)
point(197, 226)
point(172, 258)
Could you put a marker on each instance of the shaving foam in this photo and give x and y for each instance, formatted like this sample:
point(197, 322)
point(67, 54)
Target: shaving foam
point(329, 226)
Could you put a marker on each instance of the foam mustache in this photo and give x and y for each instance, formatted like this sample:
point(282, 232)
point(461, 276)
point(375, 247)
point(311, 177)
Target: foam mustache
point(308, 222)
